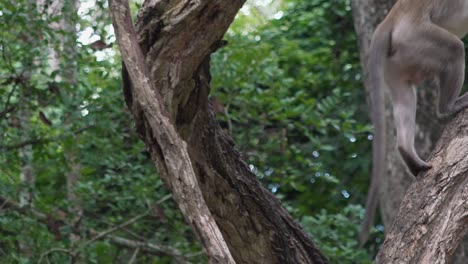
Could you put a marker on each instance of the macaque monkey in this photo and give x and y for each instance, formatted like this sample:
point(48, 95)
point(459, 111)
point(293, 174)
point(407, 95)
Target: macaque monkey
point(418, 40)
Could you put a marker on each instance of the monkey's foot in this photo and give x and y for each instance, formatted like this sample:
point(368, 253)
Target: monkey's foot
point(414, 163)
point(421, 168)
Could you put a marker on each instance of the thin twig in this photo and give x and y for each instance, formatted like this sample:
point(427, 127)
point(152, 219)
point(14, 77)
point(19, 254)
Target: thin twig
point(163, 199)
point(154, 249)
point(113, 229)
point(7, 107)
point(196, 254)
point(150, 248)
point(134, 235)
point(134, 256)
point(44, 140)
point(4, 203)
point(62, 250)
point(6, 58)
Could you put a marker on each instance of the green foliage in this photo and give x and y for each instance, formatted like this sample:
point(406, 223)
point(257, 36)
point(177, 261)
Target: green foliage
point(86, 120)
point(293, 100)
point(289, 87)
point(336, 234)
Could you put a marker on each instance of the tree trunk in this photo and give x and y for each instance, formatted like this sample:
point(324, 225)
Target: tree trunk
point(177, 38)
point(26, 154)
point(62, 58)
point(27, 175)
point(367, 15)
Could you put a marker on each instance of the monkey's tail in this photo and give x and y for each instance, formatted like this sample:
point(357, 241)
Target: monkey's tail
point(379, 51)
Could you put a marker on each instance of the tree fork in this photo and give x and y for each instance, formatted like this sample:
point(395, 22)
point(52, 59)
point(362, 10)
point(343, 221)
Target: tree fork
point(177, 38)
point(172, 150)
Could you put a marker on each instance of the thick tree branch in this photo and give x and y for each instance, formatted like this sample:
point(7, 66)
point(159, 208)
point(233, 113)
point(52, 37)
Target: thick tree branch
point(432, 219)
point(177, 38)
point(175, 167)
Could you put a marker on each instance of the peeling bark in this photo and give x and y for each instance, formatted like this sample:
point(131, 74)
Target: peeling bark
point(177, 38)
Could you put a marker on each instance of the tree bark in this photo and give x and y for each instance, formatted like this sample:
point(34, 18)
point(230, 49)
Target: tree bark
point(177, 38)
point(433, 217)
point(174, 162)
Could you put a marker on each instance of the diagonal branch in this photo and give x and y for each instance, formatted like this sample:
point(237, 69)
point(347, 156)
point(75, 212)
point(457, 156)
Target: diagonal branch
point(148, 247)
point(35, 141)
point(177, 168)
point(113, 229)
point(134, 256)
point(177, 39)
point(50, 251)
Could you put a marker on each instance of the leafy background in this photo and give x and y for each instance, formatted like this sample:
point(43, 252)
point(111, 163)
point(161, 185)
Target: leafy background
point(287, 88)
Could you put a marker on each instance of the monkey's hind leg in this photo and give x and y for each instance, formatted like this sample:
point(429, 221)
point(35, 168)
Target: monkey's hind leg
point(404, 110)
point(452, 75)
point(429, 51)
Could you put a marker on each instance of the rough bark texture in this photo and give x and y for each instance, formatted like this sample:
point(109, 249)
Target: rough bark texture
point(367, 15)
point(433, 217)
point(174, 162)
point(177, 38)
